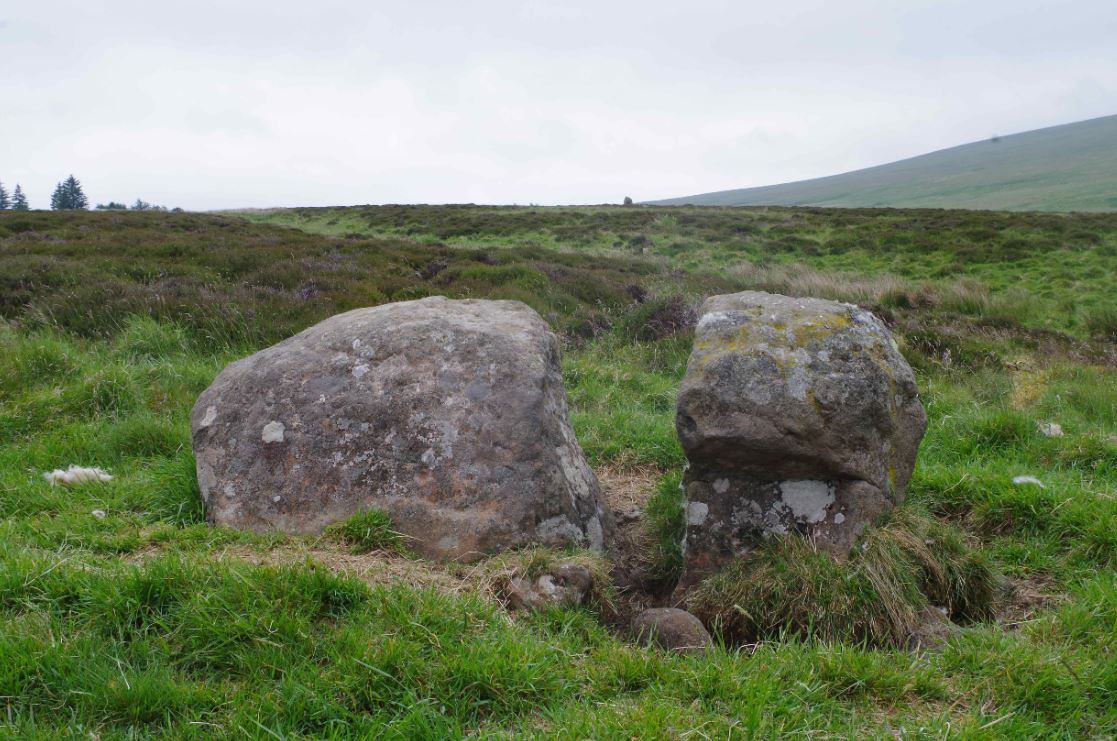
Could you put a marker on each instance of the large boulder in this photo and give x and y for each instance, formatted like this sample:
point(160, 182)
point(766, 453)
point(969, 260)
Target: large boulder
point(448, 415)
point(796, 415)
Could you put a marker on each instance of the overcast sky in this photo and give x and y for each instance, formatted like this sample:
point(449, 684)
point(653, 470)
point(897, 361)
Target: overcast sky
point(228, 104)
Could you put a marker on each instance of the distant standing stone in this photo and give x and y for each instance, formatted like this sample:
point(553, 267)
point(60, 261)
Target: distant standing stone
point(796, 415)
point(671, 629)
point(448, 415)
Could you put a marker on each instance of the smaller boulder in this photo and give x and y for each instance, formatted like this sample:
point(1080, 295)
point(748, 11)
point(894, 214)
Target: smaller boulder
point(933, 630)
point(565, 585)
point(671, 629)
point(797, 415)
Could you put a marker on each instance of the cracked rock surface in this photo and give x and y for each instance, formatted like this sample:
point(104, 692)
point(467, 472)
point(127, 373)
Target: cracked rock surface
point(796, 415)
point(448, 415)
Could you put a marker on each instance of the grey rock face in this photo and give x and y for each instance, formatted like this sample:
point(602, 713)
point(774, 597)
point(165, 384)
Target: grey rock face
point(671, 629)
point(796, 415)
point(448, 415)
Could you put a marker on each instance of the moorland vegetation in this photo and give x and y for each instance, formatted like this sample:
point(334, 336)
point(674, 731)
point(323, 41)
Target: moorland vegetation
point(123, 614)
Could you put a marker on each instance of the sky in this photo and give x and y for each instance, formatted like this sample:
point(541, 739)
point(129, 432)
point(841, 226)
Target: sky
point(209, 105)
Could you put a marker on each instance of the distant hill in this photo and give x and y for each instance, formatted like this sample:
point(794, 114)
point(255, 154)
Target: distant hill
point(1072, 167)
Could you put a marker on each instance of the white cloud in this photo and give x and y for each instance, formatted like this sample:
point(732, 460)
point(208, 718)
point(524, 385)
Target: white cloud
point(211, 105)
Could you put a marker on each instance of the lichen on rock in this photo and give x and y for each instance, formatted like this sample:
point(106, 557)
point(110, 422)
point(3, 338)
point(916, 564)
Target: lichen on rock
point(450, 416)
point(796, 415)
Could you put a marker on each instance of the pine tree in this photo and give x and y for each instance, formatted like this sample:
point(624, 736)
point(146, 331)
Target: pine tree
point(19, 201)
point(68, 195)
point(5, 202)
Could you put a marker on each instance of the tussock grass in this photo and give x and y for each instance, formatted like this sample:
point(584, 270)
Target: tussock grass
point(1102, 321)
point(788, 587)
point(796, 279)
point(967, 297)
point(367, 531)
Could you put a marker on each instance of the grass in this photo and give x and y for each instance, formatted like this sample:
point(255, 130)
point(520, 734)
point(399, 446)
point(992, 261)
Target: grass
point(147, 622)
point(666, 519)
point(369, 531)
point(1031, 271)
point(1102, 321)
point(1061, 168)
point(877, 597)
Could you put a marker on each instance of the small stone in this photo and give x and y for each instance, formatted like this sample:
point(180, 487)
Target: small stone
point(520, 594)
point(1050, 429)
point(565, 585)
point(631, 515)
point(574, 577)
point(933, 630)
point(671, 629)
point(99, 514)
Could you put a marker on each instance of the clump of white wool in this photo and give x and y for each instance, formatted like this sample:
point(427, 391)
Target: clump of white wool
point(75, 475)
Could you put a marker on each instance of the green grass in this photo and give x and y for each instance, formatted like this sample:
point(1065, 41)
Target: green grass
point(146, 622)
point(1061, 168)
point(666, 517)
point(1102, 321)
point(876, 597)
point(1038, 272)
point(369, 531)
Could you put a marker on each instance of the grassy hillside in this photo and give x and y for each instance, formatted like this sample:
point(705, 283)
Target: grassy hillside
point(1062, 168)
point(123, 615)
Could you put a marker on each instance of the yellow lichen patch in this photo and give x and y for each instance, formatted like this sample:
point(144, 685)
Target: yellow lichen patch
point(778, 340)
point(810, 331)
point(813, 401)
point(1029, 383)
point(747, 337)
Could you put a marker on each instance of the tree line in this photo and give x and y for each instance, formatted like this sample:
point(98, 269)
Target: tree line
point(17, 201)
point(68, 195)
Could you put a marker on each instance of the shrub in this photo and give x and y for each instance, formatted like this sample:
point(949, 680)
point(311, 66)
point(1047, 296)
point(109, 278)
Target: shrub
point(660, 318)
